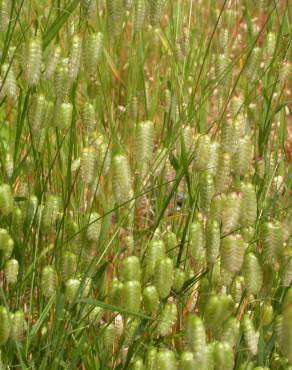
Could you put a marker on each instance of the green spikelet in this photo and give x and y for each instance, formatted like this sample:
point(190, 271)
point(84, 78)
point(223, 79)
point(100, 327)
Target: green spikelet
point(62, 81)
point(196, 340)
point(108, 336)
point(94, 227)
point(88, 117)
point(253, 63)
point(222, 65)
point(207, 190)
point(116, 292)
point(17, 221)
point(267, 314)
point(116, 12)
point(49, 281)
point(50, 212)
point(224, 357)
point(250, 336)
point(53, 61)
point(139, 15)
point(155, 10)
point(71, 288)
point(122, 181)
point(150, 360)
point(4, 325)
point(222, 177)
point(272, 239)
point(11, 271)
point(223, 39)
point(214, 158)
point(163, 277)
point(197, 240)
point(132, 295)
point(217, 206)
point(232, 251)
point(165, 360)
point(33, 61)
point(150, 299)
point(286, 267)
point(242, 157)
point(92, 51)
point(230, 331)
point(154, 253)
point(144, 144)
point(252, 273)
point(68, 265)
point(218, 309)
point(65, 116)
point(202, 152)
point(165, 99)
point(212, 240)
point(231, 212)
point(171, 242)
point(167, 319)
point(230, 133)
point(270, 45)
point(17, 326)
point(131, 269)
point(8, 76)
point(178, 279)
point(37, 116)
point(187, 361)
point(74, 57)
point(186, 141)
point(6, 200)
point(249, 204)
point(237, 288)
point(88, 164)
point(6, 244)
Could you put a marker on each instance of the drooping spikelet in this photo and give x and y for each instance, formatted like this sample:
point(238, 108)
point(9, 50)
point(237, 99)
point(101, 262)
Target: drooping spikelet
point(252, 273)
point(232, 251)
point(92, 51)
point(272, 239)
point(53, 61)
point(88, 164)
point(231, 212)
point(248, 204)
point(207, 190)
point(197, 240)
point(48, 281)
point(250, 336)
point(6, 200)
point(139, 15)
point(74, 57)
point(212, 240)
point(94, 227)
point(222, 177)
point(163, 277)
point(150, 300)
point(167, 319)
point(122, 181)
point(33, 61)
point(165, 360)
point(11, 271)
point(144, 144)
point(4, 325)
point(242, 157)
point(8, 76)
point(196, 340)
point(132, 295)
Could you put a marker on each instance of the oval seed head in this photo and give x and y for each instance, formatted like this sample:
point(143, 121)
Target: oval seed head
point(163, 277)
point(88, 117)
point(17, 326)
point(134, 108)
point(272, 239)
point(270, 44)
point(253, 63)
point(248, 205)
point(155, 11)
point(4, 325)
point(186, 141)
point(10, 84)
point(49, 281)
point(237, 288)
point(139, 15)
point(242, 157)
point(64, 118)
point(230, 331)
point(150, 360)
point(165, 99)
point(122, 180)
point(214, 158)
point(74, 57)
point(224, 357)
point(116, 293)
point(207, 190)
point(50, 212)
point(155, 251)
point(217, 206)
point(11, 271)
point(94, 227)
point(212, 240)
point(137, 365)
point(222, 177)
point(93, 51)
point(231, 212)
point(196, 340)
point(202, 152)
point(232, 251)
point(144, 145)
point(6, 244)
point(286, 335)
point(71, 288)
point(131, 269)
point(171, 242)
point(53, 60)
point(9, 166)
point(116, 10)
point(230, 133)
point(150, 300)
point(167, 319)
point(33, 61)
point(68, 265)
point(252, 273)
point(179, 279)
point(250, 336)
point(108, 336)
point(165, 360)
point(6, 200)
point(37, 115)
point(17, 221)
point(197, 240)
point(218, 309)
point(267, 314)
point(88, 164)
point(132, 295)
point(187, 361)
point(62, 82)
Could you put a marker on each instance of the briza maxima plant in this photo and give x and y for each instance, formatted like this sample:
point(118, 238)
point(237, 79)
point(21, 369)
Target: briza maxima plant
point(145, 185)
